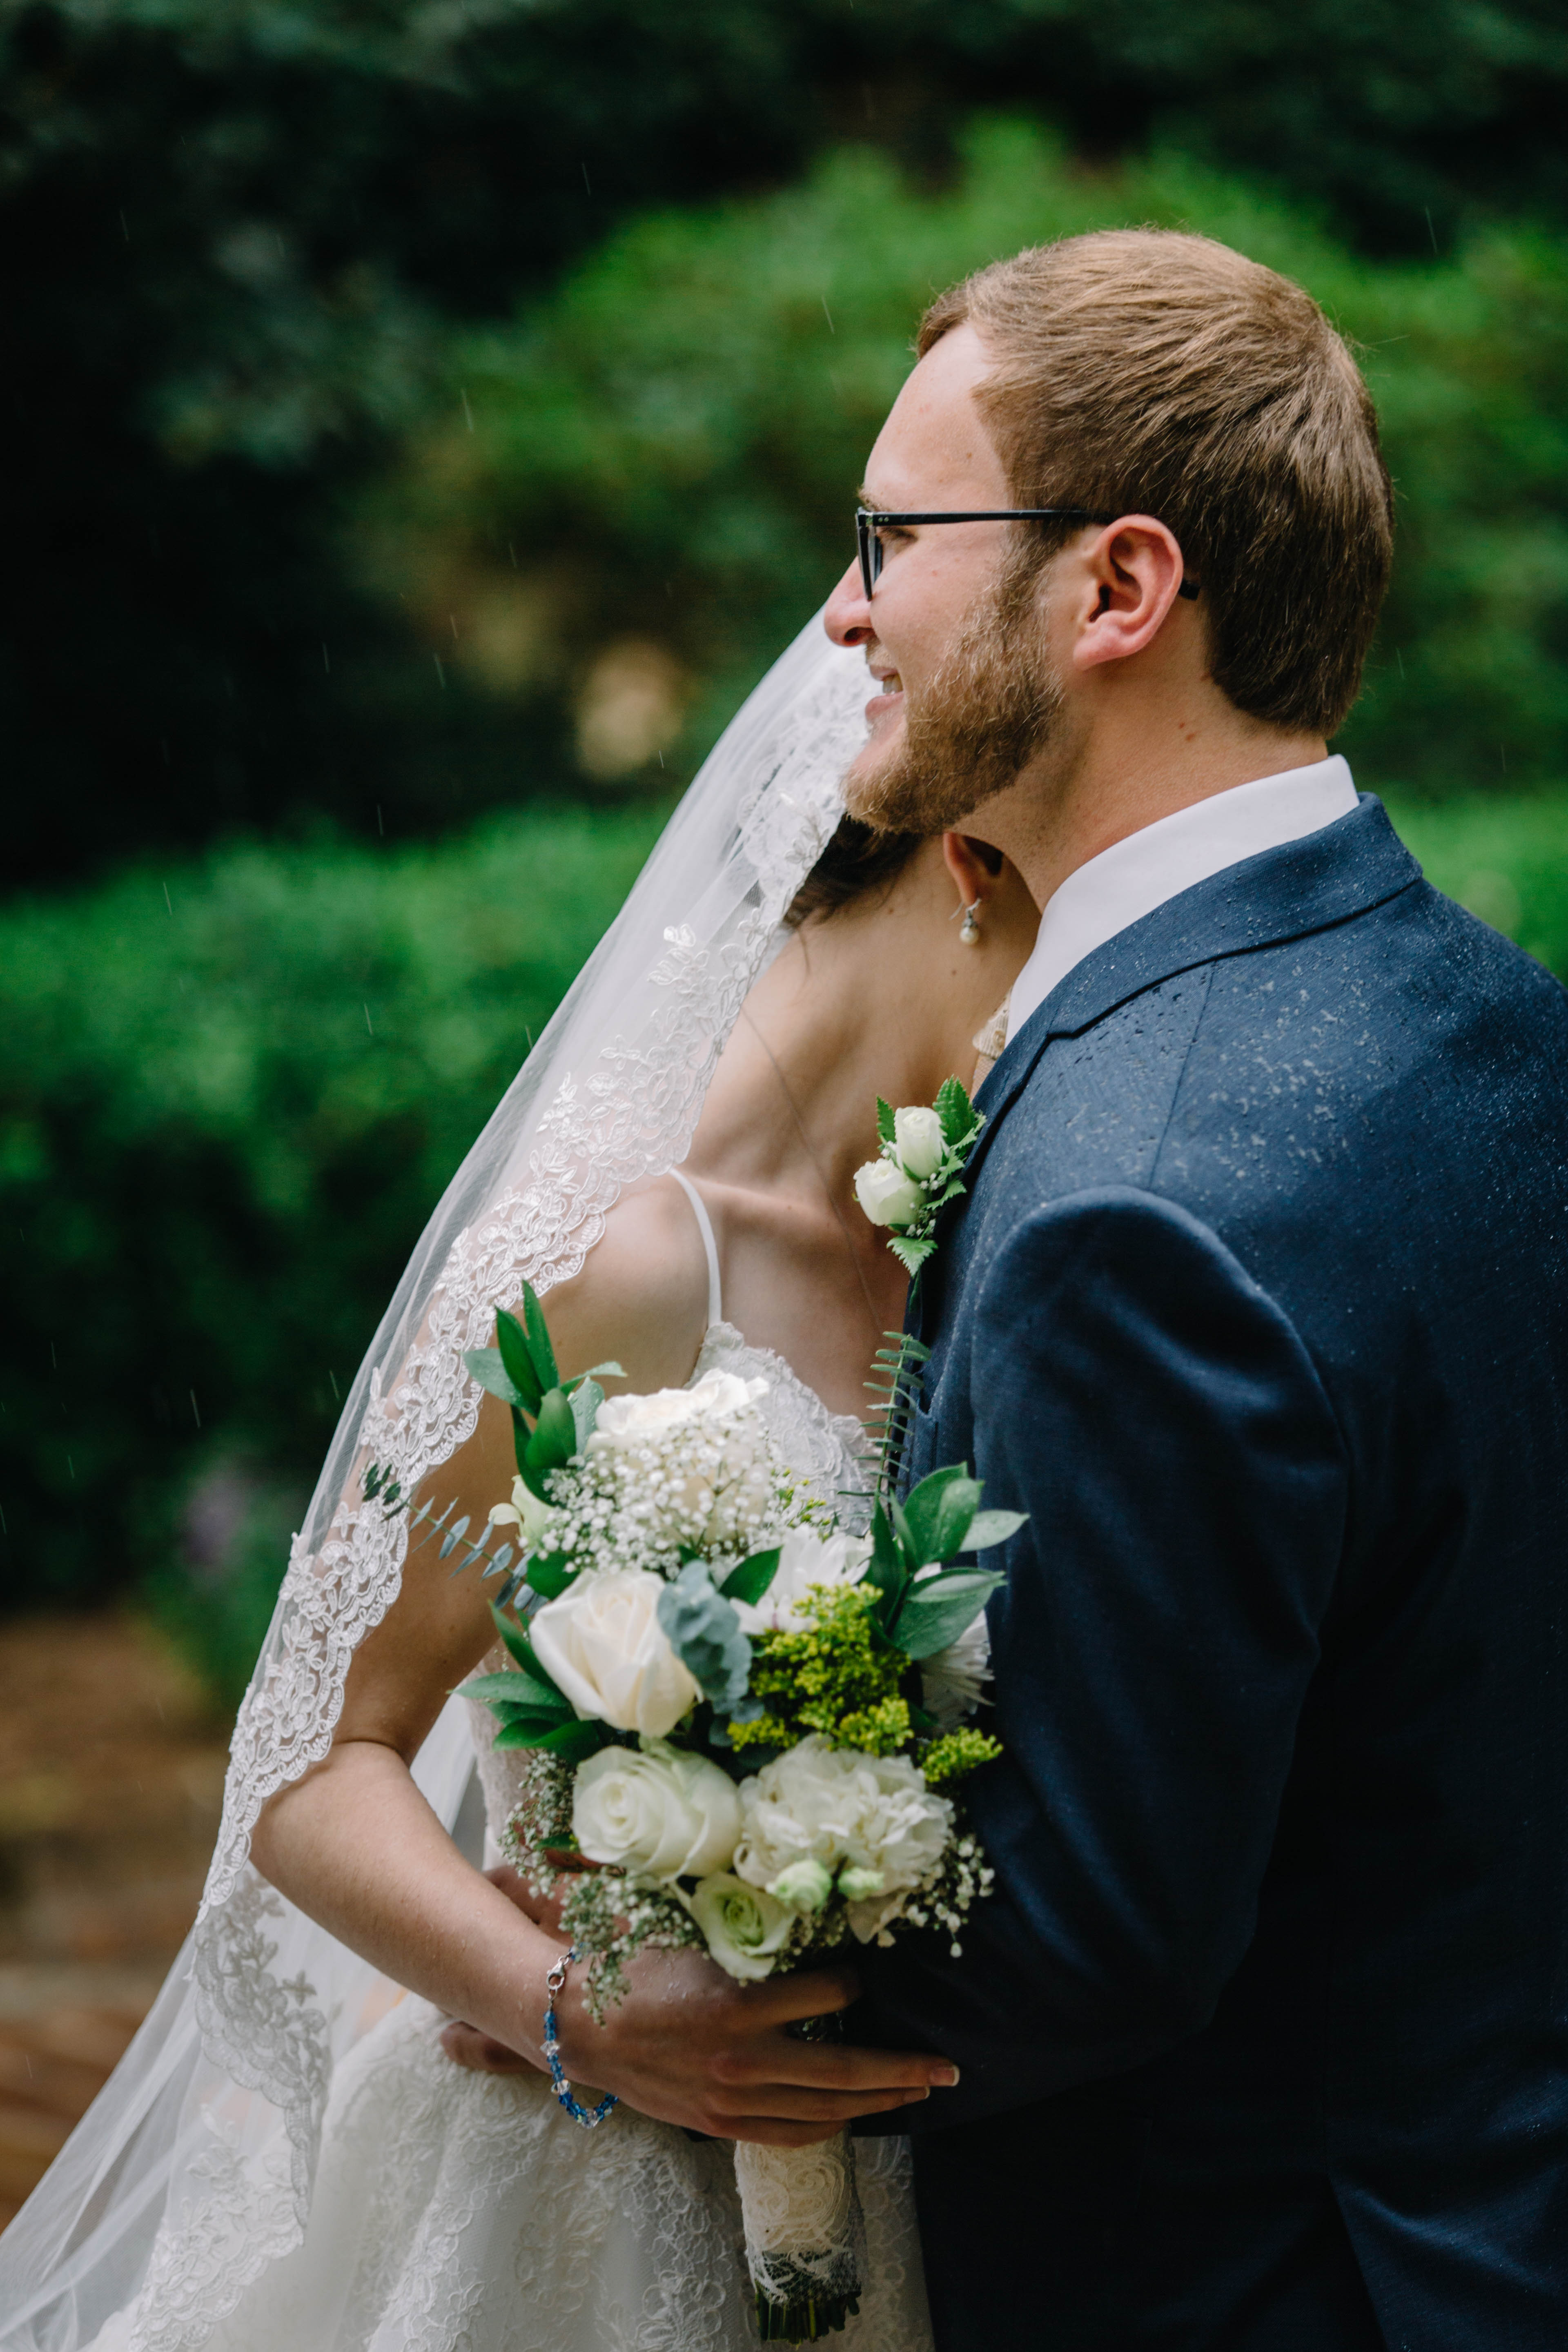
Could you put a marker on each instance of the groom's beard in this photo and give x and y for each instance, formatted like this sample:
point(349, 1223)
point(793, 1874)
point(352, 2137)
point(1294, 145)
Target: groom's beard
point(989, 708)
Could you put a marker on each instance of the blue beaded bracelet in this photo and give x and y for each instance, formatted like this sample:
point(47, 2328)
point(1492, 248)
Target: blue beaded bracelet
point(554, 1985)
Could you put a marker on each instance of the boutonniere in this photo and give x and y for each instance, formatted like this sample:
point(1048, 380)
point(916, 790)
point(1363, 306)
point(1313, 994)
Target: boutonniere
point(924, 1153)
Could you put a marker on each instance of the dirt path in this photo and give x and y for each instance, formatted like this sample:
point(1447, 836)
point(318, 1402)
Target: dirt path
point(110, 1784)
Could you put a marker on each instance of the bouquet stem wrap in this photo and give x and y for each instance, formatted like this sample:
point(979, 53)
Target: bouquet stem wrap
point(804, 2237)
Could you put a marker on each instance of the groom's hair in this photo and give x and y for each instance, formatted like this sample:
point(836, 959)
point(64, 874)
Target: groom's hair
point(1145, 372)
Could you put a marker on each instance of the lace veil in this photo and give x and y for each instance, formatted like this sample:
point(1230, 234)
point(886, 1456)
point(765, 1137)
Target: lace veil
point(194, 2167)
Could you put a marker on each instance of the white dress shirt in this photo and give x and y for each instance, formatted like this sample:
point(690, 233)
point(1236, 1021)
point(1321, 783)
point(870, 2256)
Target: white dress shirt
point(1133, 876)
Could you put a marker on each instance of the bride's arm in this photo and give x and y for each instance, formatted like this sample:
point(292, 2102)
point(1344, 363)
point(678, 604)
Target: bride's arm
point(355, 1845)
point(353, 1841)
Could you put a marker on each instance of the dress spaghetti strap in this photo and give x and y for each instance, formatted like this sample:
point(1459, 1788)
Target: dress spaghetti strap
point(705, 1226)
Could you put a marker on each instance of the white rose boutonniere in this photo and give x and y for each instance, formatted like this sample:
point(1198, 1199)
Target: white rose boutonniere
point(925, 1152)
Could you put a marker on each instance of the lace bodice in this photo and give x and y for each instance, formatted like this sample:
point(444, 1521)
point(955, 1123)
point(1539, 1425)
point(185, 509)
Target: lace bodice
point(829, 1451)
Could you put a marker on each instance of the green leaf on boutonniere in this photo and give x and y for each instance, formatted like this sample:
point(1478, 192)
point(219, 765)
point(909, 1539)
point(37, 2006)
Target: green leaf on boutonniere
point(884, 1129)
point(957, 1112)
point(911, 1255)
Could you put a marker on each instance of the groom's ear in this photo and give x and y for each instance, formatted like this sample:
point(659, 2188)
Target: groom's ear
point(1124, 584)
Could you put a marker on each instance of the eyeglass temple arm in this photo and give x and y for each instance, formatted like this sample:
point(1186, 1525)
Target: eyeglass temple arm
point(866, 522)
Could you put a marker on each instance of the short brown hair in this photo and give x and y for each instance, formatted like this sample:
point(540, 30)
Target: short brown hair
point(1146, 371)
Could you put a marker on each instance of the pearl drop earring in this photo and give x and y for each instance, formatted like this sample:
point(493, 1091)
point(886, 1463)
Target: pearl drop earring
point(969, 929)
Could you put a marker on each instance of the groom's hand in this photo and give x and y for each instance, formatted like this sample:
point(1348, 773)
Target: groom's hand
point(690, 2046)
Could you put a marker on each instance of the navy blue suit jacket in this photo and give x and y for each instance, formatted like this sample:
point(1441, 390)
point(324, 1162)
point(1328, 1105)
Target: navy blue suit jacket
point(1258, 1308)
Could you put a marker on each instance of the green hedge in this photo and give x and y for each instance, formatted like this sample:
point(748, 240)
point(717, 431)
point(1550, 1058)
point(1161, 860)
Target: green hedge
point(231, 1093)
point(655, 467)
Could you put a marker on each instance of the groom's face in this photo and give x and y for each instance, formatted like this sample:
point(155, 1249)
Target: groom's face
point(954, 635)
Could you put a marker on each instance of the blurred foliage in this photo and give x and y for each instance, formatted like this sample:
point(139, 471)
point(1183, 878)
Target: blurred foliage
point(237, 236)
point(230, 1097)
point(224, 1118)
point(637, 493)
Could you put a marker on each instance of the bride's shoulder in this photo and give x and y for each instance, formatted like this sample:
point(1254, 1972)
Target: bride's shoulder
point(641, 1298)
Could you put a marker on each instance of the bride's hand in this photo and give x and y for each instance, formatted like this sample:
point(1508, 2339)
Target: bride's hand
point(690, 2046)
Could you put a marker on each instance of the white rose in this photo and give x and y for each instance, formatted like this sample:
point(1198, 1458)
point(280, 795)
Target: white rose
point(602, 1644)
point(534, 1520)
point(919, 1140)
point(631, 1420)
point(664, 1811)
point(886, 1193)
point(837, 1807)
point(743, 1925)
point(804, 1559)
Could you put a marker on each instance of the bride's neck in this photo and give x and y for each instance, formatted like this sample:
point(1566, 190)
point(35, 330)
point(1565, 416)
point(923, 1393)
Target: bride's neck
point(872, 1001)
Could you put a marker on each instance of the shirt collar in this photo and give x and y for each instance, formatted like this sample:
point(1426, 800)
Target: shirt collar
point(1133, 876)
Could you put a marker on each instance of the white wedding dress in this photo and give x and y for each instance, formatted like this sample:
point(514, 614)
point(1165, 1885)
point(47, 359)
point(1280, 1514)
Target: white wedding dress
point(463, 2212)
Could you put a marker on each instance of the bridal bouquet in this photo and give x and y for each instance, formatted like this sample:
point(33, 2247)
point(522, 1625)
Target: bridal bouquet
point(746, 1720)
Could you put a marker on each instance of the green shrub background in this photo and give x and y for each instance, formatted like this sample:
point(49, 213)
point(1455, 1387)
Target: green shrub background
point(664, 452)
point(231, 1093)
point(224, 1116)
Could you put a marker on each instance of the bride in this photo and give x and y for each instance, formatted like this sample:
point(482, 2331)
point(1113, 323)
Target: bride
point(288, 2156)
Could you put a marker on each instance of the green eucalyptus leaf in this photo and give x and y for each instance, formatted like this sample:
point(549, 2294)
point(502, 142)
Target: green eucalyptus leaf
point(751, 1579)
point(704, 1632)
point(988, 1527)
point(936, 1614)
point(513, 1348)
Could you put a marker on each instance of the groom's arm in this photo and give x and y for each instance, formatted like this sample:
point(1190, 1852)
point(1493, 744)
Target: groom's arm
point(1159, 1418)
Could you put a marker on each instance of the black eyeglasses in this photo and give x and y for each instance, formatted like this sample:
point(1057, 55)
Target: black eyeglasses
point(866, 526)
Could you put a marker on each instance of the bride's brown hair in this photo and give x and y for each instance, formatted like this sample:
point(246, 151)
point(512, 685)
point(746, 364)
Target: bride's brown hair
point(858, 859)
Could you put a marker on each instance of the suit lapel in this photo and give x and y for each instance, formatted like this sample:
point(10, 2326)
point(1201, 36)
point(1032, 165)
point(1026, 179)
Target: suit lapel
point(1304, 886)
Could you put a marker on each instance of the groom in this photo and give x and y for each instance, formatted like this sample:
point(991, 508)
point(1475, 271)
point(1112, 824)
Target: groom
point(1258, 1308)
